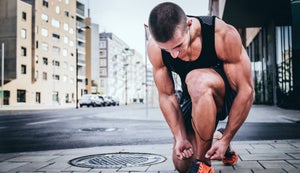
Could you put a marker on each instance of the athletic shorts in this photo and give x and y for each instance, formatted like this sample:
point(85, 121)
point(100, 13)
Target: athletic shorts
point(230, 94)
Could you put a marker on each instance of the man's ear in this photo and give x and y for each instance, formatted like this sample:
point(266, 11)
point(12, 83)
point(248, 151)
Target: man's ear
point(189, 22)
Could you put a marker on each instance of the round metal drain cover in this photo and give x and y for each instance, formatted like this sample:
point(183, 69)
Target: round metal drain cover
point(99, 129)
point(117, 160)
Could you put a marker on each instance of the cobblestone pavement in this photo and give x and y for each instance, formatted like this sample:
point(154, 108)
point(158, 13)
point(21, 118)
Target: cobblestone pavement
point(254, 156)
point(282, 156)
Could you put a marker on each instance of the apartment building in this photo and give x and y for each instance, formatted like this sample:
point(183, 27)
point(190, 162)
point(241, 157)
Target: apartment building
point(82, 30)
point(40, 51)
point(122, 70)
point(270, 32)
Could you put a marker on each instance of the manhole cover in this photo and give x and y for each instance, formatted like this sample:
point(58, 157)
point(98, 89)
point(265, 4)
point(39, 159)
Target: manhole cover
point(99, 129)
point(117, 160)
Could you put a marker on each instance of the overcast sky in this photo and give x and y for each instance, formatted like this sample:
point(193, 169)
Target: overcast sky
point(126, 18)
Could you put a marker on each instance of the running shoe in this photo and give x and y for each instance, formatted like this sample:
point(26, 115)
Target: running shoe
point(231, 156)
point(200, 167)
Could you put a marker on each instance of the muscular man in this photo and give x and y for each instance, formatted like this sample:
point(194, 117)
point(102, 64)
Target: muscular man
point(215, 73)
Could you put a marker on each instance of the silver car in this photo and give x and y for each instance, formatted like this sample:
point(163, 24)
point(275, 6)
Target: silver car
point(90, 100)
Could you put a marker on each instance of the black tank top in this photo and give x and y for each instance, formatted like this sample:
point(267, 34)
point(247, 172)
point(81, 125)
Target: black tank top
point(207, 58)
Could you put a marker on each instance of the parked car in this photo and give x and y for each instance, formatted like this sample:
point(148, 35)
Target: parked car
point(107, 101)
point(114, 101)
point(90, 100)
point(102, 100)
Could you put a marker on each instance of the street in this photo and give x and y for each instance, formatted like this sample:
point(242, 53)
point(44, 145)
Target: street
point(108, 126)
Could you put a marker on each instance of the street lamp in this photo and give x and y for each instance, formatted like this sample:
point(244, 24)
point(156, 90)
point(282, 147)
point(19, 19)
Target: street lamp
point(126, 81)
point(85, 27)
point(127, 52)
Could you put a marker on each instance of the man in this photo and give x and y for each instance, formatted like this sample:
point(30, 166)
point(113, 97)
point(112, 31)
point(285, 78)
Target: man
point(216, 80)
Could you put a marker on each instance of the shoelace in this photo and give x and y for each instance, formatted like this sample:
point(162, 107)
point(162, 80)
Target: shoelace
point(194, 168)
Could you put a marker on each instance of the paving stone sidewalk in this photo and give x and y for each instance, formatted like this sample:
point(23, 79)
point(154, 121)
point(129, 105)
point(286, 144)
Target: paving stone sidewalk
point(282, 156)
point(254, 157)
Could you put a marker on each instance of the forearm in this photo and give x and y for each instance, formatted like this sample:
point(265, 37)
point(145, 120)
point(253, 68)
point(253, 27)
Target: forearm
point(238, 114)
point(172, 113)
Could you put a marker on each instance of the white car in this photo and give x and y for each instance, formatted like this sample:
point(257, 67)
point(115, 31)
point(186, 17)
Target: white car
point(90, 100)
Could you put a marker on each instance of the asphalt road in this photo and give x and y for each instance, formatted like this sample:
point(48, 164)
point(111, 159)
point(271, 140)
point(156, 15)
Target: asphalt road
point(89, 127)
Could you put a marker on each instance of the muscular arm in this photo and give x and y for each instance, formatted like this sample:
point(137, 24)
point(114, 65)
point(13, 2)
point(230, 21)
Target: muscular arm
point(237, 67)
point(167, 99)
point(168, 102)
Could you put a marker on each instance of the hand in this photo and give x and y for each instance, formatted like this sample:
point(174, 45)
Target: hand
point(217, 150)
point(183, 149)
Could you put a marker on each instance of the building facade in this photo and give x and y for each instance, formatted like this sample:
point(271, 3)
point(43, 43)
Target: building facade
point(270, 32)
point(122, 70)
point(82, 30)
point(40, 51)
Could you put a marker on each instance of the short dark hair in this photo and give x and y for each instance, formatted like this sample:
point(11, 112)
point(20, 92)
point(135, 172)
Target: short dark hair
point(164, 19)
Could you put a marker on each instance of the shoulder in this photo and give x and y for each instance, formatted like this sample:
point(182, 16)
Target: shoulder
point(228, 42)
point(154, 54)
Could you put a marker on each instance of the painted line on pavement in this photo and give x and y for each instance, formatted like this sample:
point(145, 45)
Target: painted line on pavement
point(43, 122)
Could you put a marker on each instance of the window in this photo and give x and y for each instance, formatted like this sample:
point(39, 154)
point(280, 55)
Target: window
point(23, 69)
point(44, 75)
point(71, 68)
point(45, 46)
point(65, 78)
point(55, 23)
point(36, 75)
point(66, 26)
point(284, 58)
point(23, 33)
point(102, 53)
point(45, 61)
point(55, 50)
point(66, 40)
point(71, 43)
point(24, 15)
point(103, 62)
point(65, 52)
point(45, 3)
point(44, 32)
point(38, 97)
point(55, 36)
point(57, 9)
point(55, 96)
point(36, 44)
point(44, 18)
point(65, 65)
point(103, 72)
point(71, 80)
point(55, 63)
point(21, 96)
point(102, 44)
point(23, 51)
point(55, 77)
point(36, 59)
point(36, 29)
point(66, 13)
point(71, 31)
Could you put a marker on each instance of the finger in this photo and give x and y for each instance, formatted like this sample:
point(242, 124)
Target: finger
point(216, 157)
point(210, 153)
point(186, 153)
point(190, 152)
point(179, 156)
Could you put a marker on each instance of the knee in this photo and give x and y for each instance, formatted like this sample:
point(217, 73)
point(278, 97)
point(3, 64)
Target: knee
point(181, 165)
point(198, 85)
